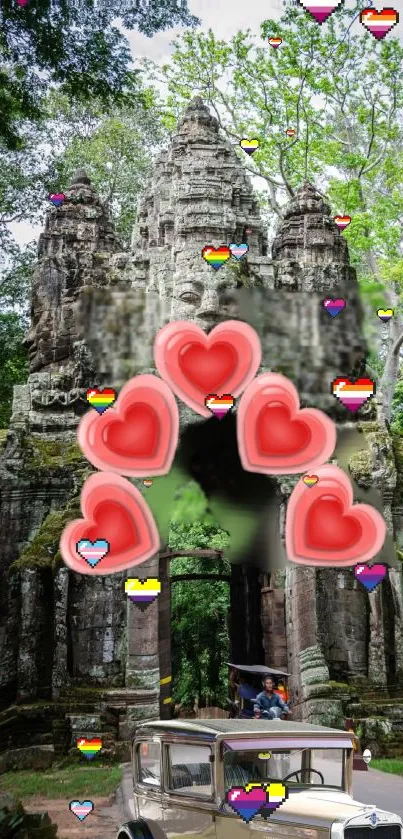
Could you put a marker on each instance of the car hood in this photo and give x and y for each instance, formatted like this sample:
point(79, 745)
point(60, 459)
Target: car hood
point(323, 808)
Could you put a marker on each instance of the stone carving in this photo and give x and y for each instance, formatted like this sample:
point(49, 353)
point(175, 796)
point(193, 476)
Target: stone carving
point(95, 312)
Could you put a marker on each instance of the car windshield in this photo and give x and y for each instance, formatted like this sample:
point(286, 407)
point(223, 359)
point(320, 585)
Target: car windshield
point(304, 767)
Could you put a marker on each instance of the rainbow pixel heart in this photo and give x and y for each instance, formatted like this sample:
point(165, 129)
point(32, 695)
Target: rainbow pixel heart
point(238, 251)
point(101, 399)
point(57, 198)
point(342, 221)
point(385, 314)
point(216, 257)
point(275, 42)
point(370, 575)
point(81, 809)
point(142, 592)
point(93, 552)
point(379, 23)
point(249, 146)
point(320, 9)
point(334, 307)
point(219, 405)
point(310, 480)
point(89, 748)
point(353, 394)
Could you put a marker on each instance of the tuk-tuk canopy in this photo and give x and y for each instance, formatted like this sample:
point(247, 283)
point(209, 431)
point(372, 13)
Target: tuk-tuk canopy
point(258, 669)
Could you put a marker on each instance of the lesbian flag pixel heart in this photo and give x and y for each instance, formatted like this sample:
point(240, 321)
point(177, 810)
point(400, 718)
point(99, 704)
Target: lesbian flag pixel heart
point(320, 9)
point(353, 394)
point(379, 23)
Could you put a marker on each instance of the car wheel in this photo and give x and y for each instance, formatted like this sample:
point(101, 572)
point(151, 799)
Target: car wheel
point(134, 830)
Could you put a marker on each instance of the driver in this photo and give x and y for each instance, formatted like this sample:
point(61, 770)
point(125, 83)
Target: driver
point(269, 705)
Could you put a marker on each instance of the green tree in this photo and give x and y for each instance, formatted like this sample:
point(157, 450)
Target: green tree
point(13, 361)
point(199, 607)
point(115, 148)
point(343, 95)
point(76, 46)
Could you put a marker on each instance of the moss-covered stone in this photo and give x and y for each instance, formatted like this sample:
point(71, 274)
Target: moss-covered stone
point(54, 453)
point(43, 551)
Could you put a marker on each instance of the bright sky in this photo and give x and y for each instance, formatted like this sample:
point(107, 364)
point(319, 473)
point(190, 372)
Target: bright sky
point(225, 17)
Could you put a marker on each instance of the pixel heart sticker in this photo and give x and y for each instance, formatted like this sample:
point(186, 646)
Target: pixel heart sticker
point(195, 364)
point(379, 23)
point(139, 435)
point(247, 801)
point(276, 437)
point(81, 809)
point(111, 506)
point(320, 9)
point(370, 575)
point(324, 527)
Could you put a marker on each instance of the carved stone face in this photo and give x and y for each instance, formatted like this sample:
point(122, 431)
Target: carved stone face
point(206, 304)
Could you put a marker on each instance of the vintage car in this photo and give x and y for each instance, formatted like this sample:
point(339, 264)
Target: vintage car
point(183, 771)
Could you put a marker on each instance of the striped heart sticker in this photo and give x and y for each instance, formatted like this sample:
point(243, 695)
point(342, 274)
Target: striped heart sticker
point(353, 394)
point(342, 221)
point(379, 23)
point(249, 146)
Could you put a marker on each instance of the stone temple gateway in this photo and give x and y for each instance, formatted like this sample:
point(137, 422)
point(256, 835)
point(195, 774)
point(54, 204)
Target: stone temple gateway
point(75, 656)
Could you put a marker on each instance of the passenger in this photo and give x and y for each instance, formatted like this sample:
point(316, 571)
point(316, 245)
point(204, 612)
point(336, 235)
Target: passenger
point(269, 705)
point(247, 695)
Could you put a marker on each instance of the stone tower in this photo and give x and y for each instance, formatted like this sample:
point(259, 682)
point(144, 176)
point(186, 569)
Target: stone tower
point(95, 313)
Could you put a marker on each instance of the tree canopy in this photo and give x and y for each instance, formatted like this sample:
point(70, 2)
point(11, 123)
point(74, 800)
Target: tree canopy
point(76, 46)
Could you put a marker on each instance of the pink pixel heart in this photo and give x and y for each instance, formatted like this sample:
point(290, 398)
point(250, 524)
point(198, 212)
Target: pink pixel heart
point(247, 801)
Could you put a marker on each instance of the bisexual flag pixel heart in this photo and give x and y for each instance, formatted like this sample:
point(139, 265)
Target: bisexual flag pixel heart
point(353, 394)
point(249, 800)
point(334, 306)
point(370, 575)
point(320, 9)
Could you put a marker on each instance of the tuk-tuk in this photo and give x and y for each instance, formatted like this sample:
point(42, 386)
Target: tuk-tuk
point(245, 682)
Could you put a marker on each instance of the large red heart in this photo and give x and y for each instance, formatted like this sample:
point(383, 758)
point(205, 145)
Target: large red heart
point(324, 527)
point(195, 364)
point(139, 435)
point(275, 436)
point(116, 512)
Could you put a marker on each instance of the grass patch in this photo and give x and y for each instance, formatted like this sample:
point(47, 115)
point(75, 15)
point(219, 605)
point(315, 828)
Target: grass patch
point(393, 765)
point(71, 782)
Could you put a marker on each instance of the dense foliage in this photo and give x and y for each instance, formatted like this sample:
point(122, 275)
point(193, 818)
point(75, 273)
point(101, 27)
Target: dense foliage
point(199, 608)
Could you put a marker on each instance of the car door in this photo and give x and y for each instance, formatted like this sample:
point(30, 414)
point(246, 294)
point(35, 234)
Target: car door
point(147, 779)
point(188, 801)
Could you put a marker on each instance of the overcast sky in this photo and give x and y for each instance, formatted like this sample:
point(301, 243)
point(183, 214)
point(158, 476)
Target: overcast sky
point(225, 17)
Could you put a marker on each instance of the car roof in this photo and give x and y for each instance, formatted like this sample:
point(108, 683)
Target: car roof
point(258, 669)
point(216, 727)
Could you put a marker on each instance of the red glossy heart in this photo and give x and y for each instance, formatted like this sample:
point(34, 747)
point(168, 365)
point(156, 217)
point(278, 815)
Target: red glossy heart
point(207, 367)
point(324, 527)
point(195, 364)
point(278, 434)
point(139, 435)
point(328, 528)
point(114, 511)
point(276, 437)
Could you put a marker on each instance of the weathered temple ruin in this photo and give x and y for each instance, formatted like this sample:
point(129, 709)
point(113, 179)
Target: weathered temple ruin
point(76, 657)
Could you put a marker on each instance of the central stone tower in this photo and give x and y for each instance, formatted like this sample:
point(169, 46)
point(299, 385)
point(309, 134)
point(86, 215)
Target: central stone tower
point(95, 315)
